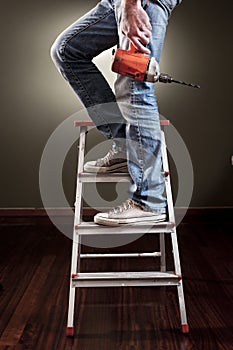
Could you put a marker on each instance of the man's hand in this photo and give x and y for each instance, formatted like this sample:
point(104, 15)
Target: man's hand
point(135, 24)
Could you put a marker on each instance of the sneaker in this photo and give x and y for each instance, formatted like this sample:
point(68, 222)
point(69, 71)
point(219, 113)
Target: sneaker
point(114, 161)
point(128, 212)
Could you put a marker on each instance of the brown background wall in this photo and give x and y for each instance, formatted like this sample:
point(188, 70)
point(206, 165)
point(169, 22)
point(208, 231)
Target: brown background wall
point(35, 99)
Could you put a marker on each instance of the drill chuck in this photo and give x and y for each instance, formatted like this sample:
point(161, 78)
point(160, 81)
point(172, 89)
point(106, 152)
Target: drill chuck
point(165, 78)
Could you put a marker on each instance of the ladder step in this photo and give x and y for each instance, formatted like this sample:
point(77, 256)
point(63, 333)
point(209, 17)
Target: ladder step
point(109, 177)
point(125, 279)
point(121, 255)
point(90, 228)
point(88, 122)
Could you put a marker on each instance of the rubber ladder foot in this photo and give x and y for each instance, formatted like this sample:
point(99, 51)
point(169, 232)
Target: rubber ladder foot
point(70, 331)
point(185, 328)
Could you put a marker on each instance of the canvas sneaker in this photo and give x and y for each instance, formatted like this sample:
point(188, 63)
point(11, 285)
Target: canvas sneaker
point(114, 161)
point(128, 212)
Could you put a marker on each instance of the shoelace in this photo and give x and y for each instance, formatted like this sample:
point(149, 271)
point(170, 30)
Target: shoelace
point(106, 159)
point(129, 204)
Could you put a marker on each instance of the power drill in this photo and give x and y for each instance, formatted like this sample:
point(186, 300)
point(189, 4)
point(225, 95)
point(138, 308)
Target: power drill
point(139, 66)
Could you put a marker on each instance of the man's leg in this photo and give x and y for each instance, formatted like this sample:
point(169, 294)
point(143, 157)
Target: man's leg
point(139, 107)
point(73, 52)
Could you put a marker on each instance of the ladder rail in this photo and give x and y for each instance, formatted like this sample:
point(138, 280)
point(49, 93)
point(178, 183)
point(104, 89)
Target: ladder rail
point(170, 204)
point(76, 246)
point(175, 248)
point(79, 185)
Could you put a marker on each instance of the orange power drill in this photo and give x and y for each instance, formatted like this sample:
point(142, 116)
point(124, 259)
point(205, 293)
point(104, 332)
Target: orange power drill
point(139, 66)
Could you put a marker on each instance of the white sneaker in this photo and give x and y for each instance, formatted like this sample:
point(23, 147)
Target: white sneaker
point(114, 161)
point(128, 212)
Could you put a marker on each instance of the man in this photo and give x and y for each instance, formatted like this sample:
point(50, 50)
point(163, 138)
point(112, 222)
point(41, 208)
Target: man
point(129, 117)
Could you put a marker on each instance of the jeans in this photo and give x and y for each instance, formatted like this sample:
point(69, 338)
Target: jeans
point(130, 116)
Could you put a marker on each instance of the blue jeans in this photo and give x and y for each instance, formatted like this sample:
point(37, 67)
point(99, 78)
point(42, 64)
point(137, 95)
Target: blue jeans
point(130, 116)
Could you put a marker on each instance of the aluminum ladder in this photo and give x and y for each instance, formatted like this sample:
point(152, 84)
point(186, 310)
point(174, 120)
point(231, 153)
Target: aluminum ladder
point(122, 279)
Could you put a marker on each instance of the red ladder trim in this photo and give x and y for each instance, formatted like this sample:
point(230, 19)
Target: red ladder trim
point(185, 328)
point(69, 331)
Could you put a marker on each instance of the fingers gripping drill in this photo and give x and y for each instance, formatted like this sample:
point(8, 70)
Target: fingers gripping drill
point(139, 66)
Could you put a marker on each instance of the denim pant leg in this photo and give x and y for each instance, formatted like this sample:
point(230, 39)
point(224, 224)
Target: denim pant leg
point(139, 107)
point(73, 52)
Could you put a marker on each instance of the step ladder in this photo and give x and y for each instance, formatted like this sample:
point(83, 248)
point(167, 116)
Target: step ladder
point(122, 279)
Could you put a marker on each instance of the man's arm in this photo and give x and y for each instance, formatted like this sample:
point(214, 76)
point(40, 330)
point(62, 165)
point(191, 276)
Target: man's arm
point(135, 24)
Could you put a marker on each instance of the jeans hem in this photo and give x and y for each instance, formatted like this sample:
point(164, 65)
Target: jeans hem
point(152, 210)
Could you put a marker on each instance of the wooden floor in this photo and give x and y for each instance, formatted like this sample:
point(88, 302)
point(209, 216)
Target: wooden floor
point(35, 268)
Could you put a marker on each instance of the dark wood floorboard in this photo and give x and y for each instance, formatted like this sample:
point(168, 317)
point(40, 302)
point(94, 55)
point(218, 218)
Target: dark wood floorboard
point(34, 279)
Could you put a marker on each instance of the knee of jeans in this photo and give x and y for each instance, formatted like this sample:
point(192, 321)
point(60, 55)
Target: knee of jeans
point(55, 53)
point(68, 50)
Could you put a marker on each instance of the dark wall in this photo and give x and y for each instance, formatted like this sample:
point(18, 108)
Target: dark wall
point(35, 99)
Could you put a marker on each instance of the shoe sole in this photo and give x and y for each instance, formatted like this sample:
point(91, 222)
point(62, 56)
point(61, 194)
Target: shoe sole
point(120, 222)
point(122, 167)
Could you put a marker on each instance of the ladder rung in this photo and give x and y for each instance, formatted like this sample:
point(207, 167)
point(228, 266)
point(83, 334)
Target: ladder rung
point(77, 123)
point(110, 177)
point(121, 255)
point(125, 279)
point(90, 228)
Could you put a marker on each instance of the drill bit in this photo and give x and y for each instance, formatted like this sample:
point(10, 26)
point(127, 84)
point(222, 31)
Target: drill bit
point(165, 78)
point(187, 84)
